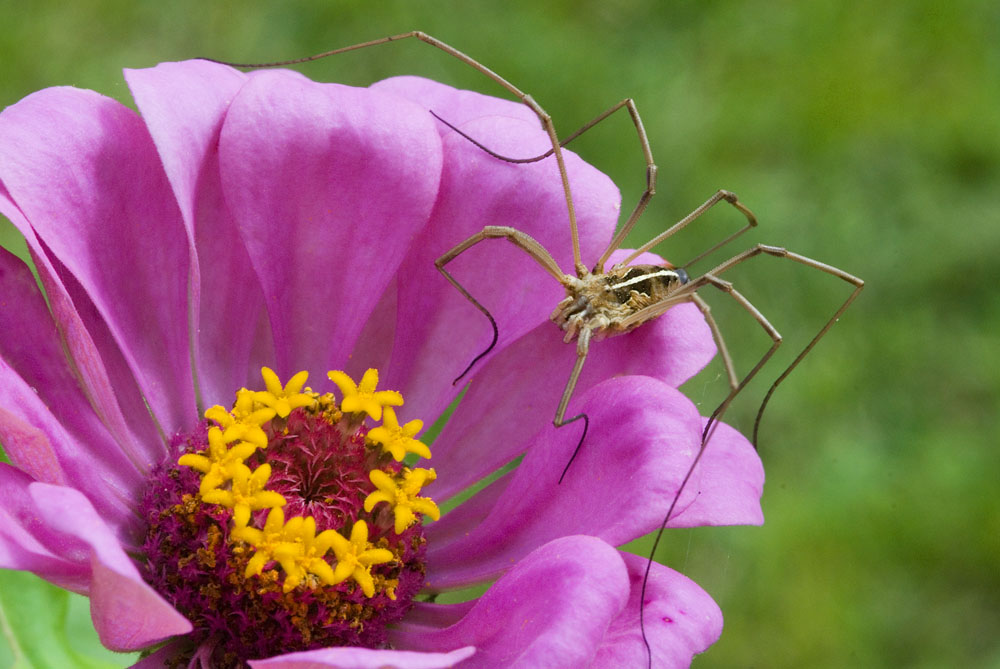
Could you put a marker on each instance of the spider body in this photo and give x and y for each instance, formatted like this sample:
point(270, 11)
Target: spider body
point(605, 304)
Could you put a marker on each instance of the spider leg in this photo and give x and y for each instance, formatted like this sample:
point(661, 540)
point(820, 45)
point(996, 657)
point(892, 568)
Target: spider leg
point(780, 252)
point(735, 388)
point(719, 196)
point(520, 239)
point(582, 348)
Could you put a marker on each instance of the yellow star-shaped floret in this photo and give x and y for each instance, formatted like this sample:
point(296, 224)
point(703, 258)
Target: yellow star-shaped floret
point(355, 558)
point(363, 398)
point(283, 399)
point(306, 556)
point(402, 497)
point(397, 440)
point(274, 537)
point(247, 494)
point(221, 463)
point(244, 421)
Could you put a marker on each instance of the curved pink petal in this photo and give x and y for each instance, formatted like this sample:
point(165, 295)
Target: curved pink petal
point(56, 533)
point(642, 441)
point(329, 185)
point(37, 442)
point(30, 343)
point(184, 106)
point(90, 360)
point(457, 106)
point(551, 609)
point(680, 620)
point(83, 171)
point(478, 190)
point(364, 658)
point(127, 613)
point(26, 543)
point(729, 480)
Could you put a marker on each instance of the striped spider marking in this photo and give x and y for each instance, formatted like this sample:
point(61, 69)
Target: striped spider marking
point(603, 303)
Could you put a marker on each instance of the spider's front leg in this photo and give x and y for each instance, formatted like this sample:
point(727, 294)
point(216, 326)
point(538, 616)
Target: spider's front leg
point(522, 240)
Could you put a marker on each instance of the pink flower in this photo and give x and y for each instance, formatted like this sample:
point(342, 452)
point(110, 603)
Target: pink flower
point(248, 220)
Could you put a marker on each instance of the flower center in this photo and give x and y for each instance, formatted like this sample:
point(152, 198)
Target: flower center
point(287, 523)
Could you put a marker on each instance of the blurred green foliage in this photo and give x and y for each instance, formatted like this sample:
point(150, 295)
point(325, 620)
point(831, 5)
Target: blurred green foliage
point(863, 134)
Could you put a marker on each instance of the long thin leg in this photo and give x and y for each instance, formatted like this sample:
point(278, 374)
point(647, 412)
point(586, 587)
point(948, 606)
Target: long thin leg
point(711, 278)
point(726, 287)
point(538, 252)
point(720, 343)
point(526, 99)
point(582, 348)
point(687, 220)
point(780, 252)
point(687, 293)
point(523, 241)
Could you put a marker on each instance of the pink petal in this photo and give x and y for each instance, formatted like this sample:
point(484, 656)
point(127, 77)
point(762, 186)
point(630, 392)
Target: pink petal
point(27, 544)
point(48, 524)
point(364, 658)
point(86, 355)
point(184, 105)
point(83, 171)
point(642, 440)
point(38, 443)
point(127, 614)
point(550, 609)
point(680, 620)
point(329, 185)
point(729, 480)
point(30, 343)
point(478, 190)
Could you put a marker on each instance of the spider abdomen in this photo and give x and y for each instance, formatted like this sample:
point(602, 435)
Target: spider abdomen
point(603, 303)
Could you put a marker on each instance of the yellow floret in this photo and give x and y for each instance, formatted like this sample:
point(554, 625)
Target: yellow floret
point(402, 496)
point(244, 421)
point(363, 398)
point(306, 555)
point(399, 440)
point(267, 542)
point(283, 399)
point(221, 463)
point(355, 558)
point(247, 494)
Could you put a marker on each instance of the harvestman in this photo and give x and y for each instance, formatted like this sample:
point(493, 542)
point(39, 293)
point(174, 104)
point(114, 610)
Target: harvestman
point(599, 303)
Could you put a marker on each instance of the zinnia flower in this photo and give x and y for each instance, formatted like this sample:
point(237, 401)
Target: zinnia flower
point(248, 222)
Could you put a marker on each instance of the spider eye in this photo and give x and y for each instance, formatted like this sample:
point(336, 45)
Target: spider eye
point(682, 275)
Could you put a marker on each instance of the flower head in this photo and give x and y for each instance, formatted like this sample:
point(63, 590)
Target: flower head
point(240, 222)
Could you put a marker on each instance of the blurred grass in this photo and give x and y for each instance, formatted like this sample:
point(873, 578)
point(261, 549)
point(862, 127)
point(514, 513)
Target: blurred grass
point(865, 135)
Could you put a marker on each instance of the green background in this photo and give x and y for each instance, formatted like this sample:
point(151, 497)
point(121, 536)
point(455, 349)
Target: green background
point(863, 134)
